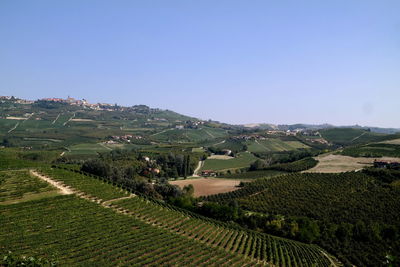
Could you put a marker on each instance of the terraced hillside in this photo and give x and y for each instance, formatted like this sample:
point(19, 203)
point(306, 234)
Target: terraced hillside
point(105, 225)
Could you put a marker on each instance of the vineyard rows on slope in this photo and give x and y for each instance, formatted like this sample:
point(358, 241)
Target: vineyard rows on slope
point(279, 251)
point(79, 232)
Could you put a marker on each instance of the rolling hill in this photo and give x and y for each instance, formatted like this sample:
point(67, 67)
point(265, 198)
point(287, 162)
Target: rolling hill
point(99, 223)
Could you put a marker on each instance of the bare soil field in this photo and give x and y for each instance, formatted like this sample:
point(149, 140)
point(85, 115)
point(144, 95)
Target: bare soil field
point(209, 186)
point(16, 118)
point(220, 157)
point(81, 120)
point(329, 163)
point(392, 142)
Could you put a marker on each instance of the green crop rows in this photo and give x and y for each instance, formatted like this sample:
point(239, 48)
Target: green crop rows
point(94, 187)
point(77, 232)
point(16, 186)
point(339, 197)
point(279, 251)
point(237, 240)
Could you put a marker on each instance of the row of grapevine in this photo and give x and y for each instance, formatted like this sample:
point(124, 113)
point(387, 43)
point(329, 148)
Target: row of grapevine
point(347, 197)
point(77, 180)
point(79, 232)
point(264, 247)
point(229, 237)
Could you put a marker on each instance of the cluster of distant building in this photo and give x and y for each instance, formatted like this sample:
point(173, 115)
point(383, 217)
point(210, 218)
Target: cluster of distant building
point(77, 102)
point(188, 124)
point(312, 134)
point(70, 100)
point(208, 173)
point(249, 137)
point(386, 164)
point(17, 100)
point(124, 138)
point(295, 132)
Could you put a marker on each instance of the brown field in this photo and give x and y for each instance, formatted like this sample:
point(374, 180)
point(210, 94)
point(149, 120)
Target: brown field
point(392, 142)
point(81, 120)
point(329, 163)
point(209, 186)
point(16, 118)
point(225, 157)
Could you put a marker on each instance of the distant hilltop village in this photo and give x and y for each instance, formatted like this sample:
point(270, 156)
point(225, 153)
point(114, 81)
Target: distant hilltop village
point(70, 100)
point(77, 102)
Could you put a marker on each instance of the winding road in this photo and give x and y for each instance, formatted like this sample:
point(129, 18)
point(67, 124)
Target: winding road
point(199, 165)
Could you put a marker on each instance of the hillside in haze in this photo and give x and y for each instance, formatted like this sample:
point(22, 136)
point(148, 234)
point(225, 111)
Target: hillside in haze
point(249, 194)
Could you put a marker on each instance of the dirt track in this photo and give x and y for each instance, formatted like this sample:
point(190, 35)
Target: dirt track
point(63, 189)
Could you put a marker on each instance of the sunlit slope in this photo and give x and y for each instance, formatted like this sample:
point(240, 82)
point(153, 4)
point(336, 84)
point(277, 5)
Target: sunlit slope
point(209, 232)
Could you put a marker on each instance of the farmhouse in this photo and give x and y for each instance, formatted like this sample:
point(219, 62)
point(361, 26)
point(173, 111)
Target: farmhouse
point(317, 140)
point(208, 173)
point(249, 137)
point(227, 151)
point(386, 164)
point(127, 137)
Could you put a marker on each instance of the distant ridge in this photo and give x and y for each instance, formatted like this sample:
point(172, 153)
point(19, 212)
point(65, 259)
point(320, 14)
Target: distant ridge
point(285, 127)
point(264, 126)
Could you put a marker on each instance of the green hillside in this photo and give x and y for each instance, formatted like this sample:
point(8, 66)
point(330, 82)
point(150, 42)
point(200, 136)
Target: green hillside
point(373, 150)
point(273, 145)
point(105, 225)
point(349, 136)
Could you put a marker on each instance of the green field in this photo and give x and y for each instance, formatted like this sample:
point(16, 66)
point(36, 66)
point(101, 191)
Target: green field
point(273, 145)
point(88, 148)
point(15, 158)
point(242, 160)
point(188, 135)
point(198, 149)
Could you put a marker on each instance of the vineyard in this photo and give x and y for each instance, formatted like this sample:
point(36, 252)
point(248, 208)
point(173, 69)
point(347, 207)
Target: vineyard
point(78, 232)
point(355, 215)
point(97, 188)
point(18, 186)
point(296, 166)
point(350, 136)
point(373, 150)
point(116, 228)
point(337, 197)
point(237, 240)
point(252, 174)
point(279, 251)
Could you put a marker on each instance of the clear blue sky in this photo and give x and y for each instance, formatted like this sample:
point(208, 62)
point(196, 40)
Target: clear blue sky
point(234, 61)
